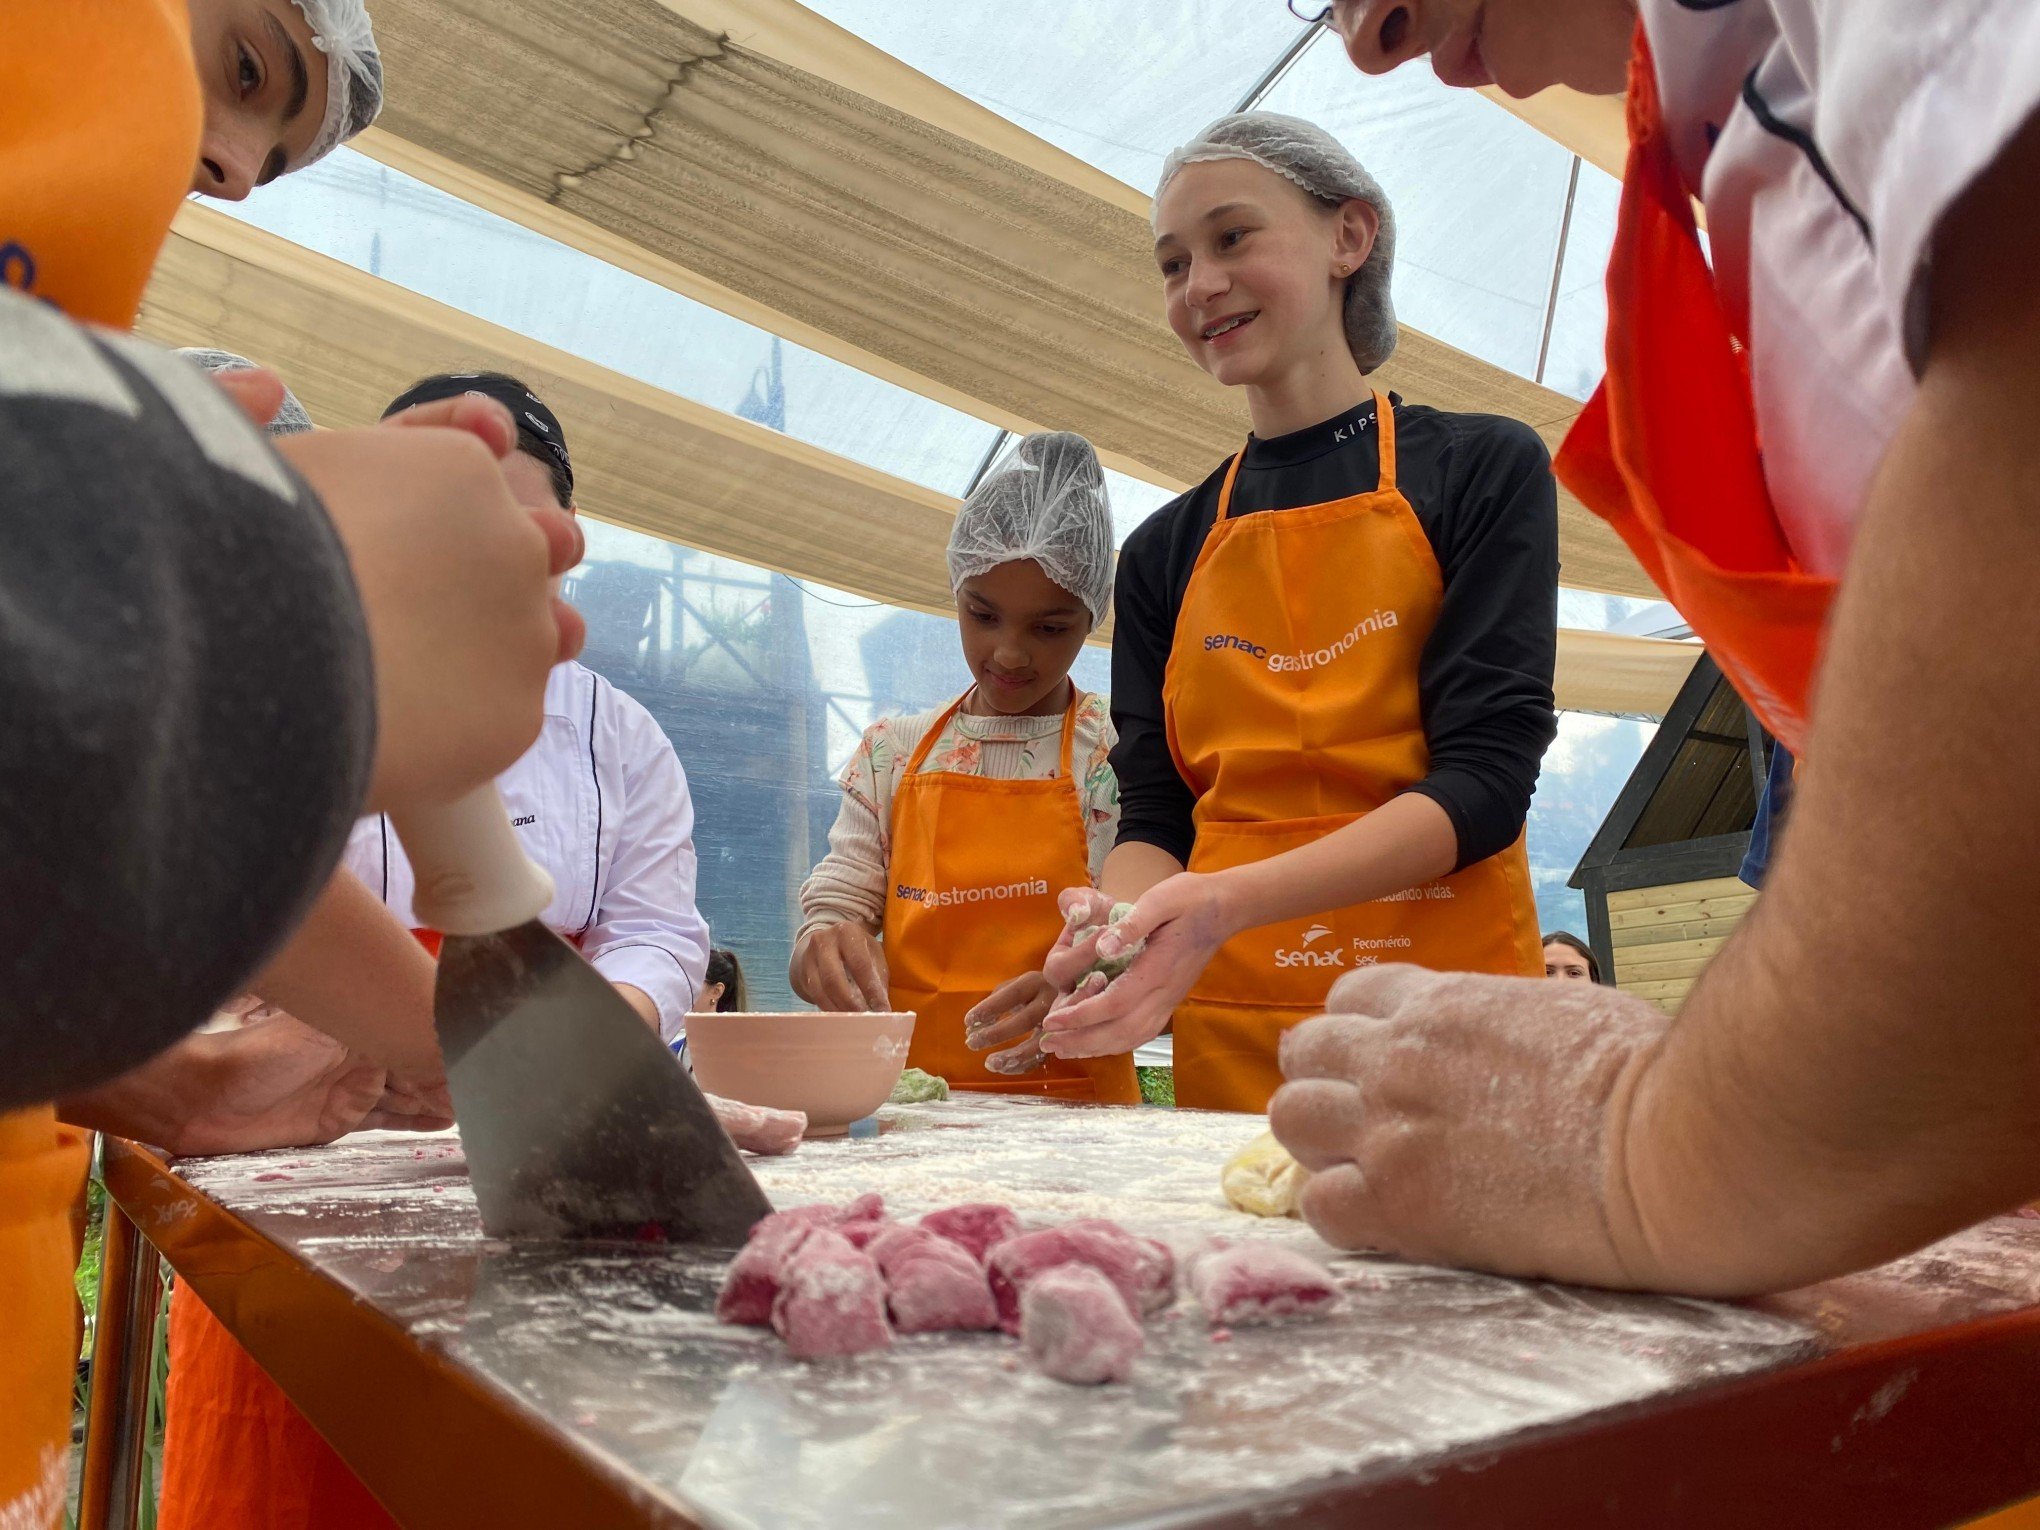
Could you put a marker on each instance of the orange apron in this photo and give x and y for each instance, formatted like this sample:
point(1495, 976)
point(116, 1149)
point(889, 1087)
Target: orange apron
point(42, 1176)
point(1667, 453)
point(1293, 710)
point(975, 869)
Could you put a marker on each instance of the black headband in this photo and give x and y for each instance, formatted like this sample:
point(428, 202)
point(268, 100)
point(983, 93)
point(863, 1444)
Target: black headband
point(534, 420)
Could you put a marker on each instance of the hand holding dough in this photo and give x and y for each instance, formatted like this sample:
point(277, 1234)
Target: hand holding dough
point(1263, 1179)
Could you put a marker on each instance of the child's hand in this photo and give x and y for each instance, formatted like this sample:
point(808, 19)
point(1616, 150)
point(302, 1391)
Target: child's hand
point(453, 580)
point(842, 967)
point(1183, 921)
point(1012, 1012)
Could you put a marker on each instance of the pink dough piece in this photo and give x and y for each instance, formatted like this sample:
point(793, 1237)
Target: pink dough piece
point(934, 1295)
point(751, 1284)
point(1154, 1264)
point(756, 1129)
point(1142, 1270)
point(831, 1300)
point(977, 1226)
point(1078, 1327)
point(1260, 1283)
point(932, 1285)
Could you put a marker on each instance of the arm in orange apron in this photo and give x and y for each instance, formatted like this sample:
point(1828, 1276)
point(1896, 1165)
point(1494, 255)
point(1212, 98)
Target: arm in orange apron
point(1407, 841)
point(1855, 1074)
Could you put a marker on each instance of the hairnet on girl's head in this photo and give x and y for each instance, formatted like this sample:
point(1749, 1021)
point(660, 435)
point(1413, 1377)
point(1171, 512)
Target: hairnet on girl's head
point(354, 74)
point(1305, 153)
point(1045, 500)
point(291, 419)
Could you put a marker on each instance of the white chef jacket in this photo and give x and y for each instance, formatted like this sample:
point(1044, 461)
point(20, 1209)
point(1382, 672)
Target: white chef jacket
point(1827, 138)
point(600, 801)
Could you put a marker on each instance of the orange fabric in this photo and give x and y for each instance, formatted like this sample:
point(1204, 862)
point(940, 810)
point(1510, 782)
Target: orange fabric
point(42, 1174)
point(1667, 452)
point(976, 865)
point(237, 1454)
point(1292, 709)
point(100, 118)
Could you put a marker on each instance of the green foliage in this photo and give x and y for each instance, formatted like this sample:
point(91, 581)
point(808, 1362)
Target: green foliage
point(1157, 1086)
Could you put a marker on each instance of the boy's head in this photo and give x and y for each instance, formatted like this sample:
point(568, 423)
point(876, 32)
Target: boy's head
point(284, 81)
point(1522, 46)
point(1030, 560)
point(541, 472)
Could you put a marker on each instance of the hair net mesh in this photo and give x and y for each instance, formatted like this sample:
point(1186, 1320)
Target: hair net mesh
point(354, 73)
point(1306, 154)
point(1045, 500)
point(291, 419)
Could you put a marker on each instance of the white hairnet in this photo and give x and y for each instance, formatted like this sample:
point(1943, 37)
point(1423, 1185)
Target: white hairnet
point(1305, 153)
point(291, 419)
point(1044, 500)
point(354, 76)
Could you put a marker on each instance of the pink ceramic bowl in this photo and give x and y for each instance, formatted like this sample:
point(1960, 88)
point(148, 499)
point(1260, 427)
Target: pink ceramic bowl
point(838, 1068)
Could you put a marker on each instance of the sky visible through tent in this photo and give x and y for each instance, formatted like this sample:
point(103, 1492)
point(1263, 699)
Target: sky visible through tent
point(1503, 239)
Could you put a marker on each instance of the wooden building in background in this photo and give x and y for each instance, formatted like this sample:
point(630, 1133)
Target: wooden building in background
point(1660, 877)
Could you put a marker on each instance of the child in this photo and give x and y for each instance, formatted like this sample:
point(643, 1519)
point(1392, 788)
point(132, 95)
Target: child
point(960, 826)
point(1332, 661)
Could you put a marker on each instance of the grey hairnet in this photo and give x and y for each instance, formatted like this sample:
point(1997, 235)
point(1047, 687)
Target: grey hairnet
point(291, 419)
point(1045, 500)
point(1305, 153)
point(354, 75)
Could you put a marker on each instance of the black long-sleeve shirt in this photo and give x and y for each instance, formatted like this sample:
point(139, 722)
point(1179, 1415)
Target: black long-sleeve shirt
point(186, 701)
point(1482, 490)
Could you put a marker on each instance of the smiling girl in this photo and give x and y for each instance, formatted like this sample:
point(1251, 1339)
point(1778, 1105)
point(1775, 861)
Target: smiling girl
point(960, 826)
point(1332, 661)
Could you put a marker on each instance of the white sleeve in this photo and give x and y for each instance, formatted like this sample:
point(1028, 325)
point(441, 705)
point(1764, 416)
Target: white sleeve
point(647, 931)
point(1911, 104)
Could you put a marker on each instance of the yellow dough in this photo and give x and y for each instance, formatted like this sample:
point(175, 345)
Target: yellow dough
point(1263, 1179)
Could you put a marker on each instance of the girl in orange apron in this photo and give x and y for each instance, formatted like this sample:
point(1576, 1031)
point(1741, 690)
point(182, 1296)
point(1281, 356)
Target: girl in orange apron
point(956, 856)
point(1319, 653)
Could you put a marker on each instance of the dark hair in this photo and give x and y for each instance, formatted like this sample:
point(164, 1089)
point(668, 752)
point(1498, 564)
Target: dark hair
point(1572, 942)
point(724, 968)
point(549, 451)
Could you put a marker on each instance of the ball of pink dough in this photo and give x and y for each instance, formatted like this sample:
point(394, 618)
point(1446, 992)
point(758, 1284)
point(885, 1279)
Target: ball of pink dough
point(1141, 1269)
point(1077, 1326)
point(1260, 1283)
point(976, 1225)
point(831, 1300)
point(751, 1284)
point(935, 1296)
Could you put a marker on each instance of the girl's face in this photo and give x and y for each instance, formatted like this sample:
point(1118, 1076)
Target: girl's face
point(1562, 961)
point(1520, 45)
point(265, 88)
point(1254, 269)
point(1021, 633)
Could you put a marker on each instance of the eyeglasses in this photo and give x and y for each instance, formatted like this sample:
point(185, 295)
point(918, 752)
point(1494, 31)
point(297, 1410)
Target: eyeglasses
point(1310, 15)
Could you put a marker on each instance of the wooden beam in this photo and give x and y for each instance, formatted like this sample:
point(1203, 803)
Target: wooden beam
point(348, 342)
point(756, 158)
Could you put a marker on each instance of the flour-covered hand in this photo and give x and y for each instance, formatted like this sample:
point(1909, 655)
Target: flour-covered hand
point(1183, 920)
point(1463, 1119)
